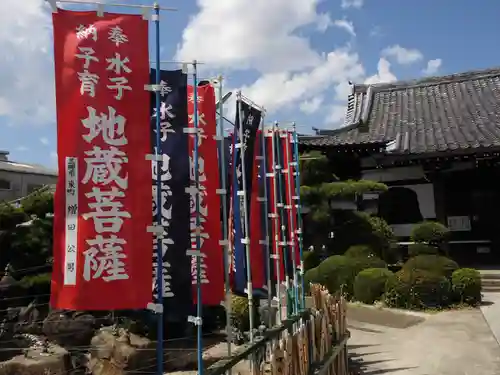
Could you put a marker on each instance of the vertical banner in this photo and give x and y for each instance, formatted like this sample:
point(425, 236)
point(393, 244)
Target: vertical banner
point(290, 193)
point(250, 119)
point(212, 266)
point(256, 247)
point(102, 251)
point(275, 227)
point(174, 177)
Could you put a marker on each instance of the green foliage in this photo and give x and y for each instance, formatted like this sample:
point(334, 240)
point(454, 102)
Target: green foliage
point(369, 284)
point(359, 251)
point(337, 273)
point(466, 284)
point(417, 289)
point(420, 248)
point(359, 228)
point(10, 216)
point(36, 284)
point(39, 203)
point(311, 276)
point(430, 232)
point(339, 189)
point(240, 315)
point(436, 264)
point(311, 260)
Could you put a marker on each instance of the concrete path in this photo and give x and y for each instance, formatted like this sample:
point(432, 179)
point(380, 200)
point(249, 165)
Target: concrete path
point(491, 312)
point(447, 343)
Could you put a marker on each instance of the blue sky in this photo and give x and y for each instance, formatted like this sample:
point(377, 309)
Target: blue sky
point(294, 57)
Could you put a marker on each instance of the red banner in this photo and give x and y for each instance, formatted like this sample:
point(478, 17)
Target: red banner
point(102, 251)
point(257, 250)
point(212, 268)
point(290, 194)
point(274, 234)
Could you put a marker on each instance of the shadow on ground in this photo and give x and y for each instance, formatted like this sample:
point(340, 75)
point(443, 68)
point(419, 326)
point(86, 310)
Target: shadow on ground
point(382, 317)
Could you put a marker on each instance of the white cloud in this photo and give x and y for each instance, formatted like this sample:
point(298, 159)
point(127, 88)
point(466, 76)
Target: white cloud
point(324, 22)
point(383, 74)
point(44, 141)
point(336, 116)
point(346, 25)
point(259, 34)
point(432, 66)
point(352, 4)
point(403, 55)
point(311, 106)
point(26, 68)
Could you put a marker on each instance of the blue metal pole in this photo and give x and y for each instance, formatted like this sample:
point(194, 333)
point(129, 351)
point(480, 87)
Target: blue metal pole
point(299, 212)
point(199, 305)
point(159, 253)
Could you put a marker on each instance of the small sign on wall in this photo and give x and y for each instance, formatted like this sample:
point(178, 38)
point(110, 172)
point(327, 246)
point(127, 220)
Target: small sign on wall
point(459, 223)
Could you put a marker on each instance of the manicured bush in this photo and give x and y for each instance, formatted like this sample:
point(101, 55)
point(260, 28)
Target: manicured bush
point(359, 251)
point(311, 260)
point(466, 284)
point(417, 289)
point(430, 232)
point(420, 248)
point(240, 315)
point(437, 264)
point(337, 273)
point(369, 284)
point(311, 276)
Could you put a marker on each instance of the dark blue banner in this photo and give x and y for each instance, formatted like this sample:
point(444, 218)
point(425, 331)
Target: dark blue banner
point(175, 204)
point(250, 121)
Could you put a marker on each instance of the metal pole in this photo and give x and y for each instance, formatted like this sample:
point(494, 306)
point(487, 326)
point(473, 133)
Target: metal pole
point(225, 231)
point(246, 225)
point(159, 252)
point(276, 222)
point(265, 204)
point(283, 239)
point(288, 170)
point(299, 209)
point(196, 173)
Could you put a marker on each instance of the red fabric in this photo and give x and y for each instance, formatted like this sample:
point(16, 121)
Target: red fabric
point(256, 249)
point(290, 193)
point(78, 138)
point(275, 222)
point(210, 215)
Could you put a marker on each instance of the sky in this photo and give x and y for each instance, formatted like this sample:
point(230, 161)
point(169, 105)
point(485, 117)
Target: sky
point(295, 58)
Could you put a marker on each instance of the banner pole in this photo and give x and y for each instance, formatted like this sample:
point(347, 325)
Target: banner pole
point(283, 240)
point(299, 213)
point(246, 225)
point(225, 231)
point(276, 254)
point(196, 172)
point(159, 252)
point(289, 171)
point(266, 221)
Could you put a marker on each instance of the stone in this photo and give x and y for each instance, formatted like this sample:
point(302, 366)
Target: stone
point(38, 361)
point(69, 328)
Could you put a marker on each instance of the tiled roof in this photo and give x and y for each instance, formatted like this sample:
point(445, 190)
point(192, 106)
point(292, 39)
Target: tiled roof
point(459, 112)
point(12, 166)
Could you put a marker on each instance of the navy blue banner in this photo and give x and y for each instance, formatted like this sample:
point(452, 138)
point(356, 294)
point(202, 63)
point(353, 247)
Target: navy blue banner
point(175, 204)
point(250, 121)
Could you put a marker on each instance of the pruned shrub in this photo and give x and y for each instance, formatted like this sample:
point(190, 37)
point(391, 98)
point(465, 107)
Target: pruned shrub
point(430, 232)
point(466, 284)
point(311, 260)
point(240, 313)
point(360, 251)
point(369, 284)
point(39, 203)
point(311, 276)
point(422, 249)
point(417, 289)
point(437, 264)
point(337, 273)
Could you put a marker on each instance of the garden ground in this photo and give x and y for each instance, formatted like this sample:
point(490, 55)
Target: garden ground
point(407, 343)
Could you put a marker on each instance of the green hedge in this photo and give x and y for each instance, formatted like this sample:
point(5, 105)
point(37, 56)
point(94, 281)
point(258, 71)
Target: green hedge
point(422, 249)
point(337, 273)
point(311, 260)
point(240, 315)
point(431, 232)
point(311, 276)
point(359, 251)
point(369, 284)
point(417, 289)
point(466, 284)
point(437, 264)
